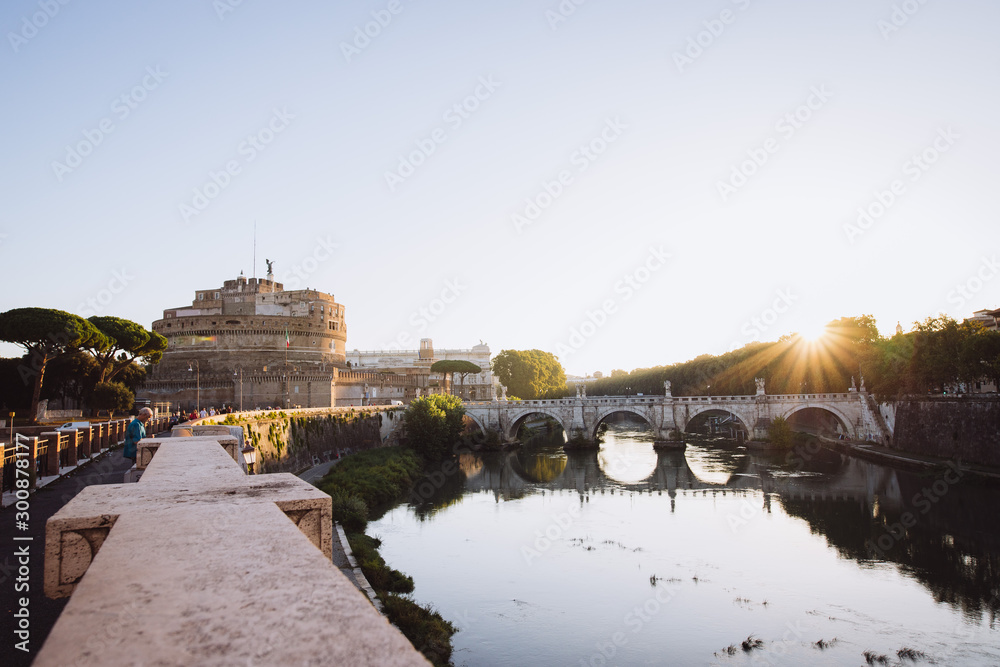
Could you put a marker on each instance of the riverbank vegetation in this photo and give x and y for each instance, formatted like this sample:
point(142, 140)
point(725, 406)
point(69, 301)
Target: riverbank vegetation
point(938, 355)
point(363, 487)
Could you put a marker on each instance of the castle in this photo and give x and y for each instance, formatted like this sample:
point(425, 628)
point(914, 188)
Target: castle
point(252, 344)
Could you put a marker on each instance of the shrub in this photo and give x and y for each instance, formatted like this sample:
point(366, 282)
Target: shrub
point(349, 511)
point(423, 626)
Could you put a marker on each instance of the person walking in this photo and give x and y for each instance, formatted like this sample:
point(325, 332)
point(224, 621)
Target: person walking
point(135, 432)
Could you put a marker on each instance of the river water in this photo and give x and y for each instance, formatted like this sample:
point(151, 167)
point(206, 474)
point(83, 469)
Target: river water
point(626, 556)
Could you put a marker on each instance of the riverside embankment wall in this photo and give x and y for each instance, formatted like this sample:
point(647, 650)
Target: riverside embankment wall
point(291, 440)
point(951, 427)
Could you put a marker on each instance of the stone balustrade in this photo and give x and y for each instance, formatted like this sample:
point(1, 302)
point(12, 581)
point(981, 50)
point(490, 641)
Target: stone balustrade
point(201, 564)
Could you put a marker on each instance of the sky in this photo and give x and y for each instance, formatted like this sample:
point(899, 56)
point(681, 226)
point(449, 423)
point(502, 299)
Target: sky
point(623, 184)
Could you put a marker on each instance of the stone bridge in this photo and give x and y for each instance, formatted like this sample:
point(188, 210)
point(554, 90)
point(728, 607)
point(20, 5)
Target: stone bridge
point(853, 414)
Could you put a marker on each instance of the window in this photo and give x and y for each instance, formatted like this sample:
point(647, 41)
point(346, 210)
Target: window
point(216, 295)
point(201, 296)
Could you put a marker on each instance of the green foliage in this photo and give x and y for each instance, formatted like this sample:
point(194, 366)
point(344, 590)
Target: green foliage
point(45, 333)
point(530, 374)
point(780, 433)
point(112, 396)
point(382, 577)
point(424, 627)
point(452, 366)
point(433, 424)
point(124, 342)
point(938, 353)
point(379, 477)
point(349, 511)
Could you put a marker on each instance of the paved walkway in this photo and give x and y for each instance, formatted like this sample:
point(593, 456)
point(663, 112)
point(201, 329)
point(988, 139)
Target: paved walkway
point(109, 468)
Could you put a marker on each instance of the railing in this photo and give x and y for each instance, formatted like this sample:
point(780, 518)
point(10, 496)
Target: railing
point(41, 458)
point(8, 466)
point(50, 451)
point(633, 400)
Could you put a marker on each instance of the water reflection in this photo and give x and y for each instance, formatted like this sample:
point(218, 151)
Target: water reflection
point(940, 533)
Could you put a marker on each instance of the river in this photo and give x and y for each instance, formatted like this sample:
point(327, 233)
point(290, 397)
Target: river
point(626, 556)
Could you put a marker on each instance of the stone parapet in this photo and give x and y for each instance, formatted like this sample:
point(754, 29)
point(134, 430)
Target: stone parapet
point(198, 563)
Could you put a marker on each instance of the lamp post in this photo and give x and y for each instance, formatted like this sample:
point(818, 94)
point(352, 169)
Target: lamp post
point(250, 456)
point(197, 367)
point(240, 370)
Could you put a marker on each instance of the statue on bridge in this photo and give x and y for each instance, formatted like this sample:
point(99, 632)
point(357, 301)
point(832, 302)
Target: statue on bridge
point(760, 386)
point(863, 383)
point(854, 387)
point(503, 393)
point(666, 388)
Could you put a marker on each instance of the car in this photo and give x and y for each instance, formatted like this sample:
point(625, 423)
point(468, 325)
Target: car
point(71, 426)
point(397, 403)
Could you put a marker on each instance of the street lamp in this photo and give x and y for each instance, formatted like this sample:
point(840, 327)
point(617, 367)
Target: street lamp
point(197, 367)
point(250, 456)
point(240, 369)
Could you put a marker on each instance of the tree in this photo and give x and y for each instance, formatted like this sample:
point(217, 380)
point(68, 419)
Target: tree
point(113, 397)
point(780, 433)
point(530, 374)
point(45, 333)
point(433, 424)
point(452, 366)
point(127, 341)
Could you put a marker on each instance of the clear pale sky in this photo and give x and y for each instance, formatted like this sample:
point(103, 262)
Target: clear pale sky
point(820, 108)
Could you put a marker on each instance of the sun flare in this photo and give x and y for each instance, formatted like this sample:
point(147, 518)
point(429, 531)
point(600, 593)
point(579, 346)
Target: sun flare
point(813, 332)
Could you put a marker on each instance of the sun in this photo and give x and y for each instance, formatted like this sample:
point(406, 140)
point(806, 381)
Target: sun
point(813, 332)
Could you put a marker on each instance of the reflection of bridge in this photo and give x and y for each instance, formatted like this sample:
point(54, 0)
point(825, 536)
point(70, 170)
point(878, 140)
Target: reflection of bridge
point(840, 477)
point(854, 413)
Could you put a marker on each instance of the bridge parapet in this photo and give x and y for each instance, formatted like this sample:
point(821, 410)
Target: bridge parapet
point(669, 415)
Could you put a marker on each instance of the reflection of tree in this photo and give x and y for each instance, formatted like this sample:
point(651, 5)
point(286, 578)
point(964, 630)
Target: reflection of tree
point(440, 487)
point(953, 549)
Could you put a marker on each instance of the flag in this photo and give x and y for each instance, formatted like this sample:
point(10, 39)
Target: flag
point(288, 342)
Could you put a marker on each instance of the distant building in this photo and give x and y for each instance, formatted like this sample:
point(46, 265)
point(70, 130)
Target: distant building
point(475, 387)
point(988, 318)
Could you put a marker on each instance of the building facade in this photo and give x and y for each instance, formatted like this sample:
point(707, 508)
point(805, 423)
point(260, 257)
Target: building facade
point(253, 344)
point(481, 386)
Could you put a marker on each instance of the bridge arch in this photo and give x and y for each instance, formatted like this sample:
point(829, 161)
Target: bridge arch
point(476, 420)
point(518, 415)
point(745, 422)
point(607, 412)
point(843, 420)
